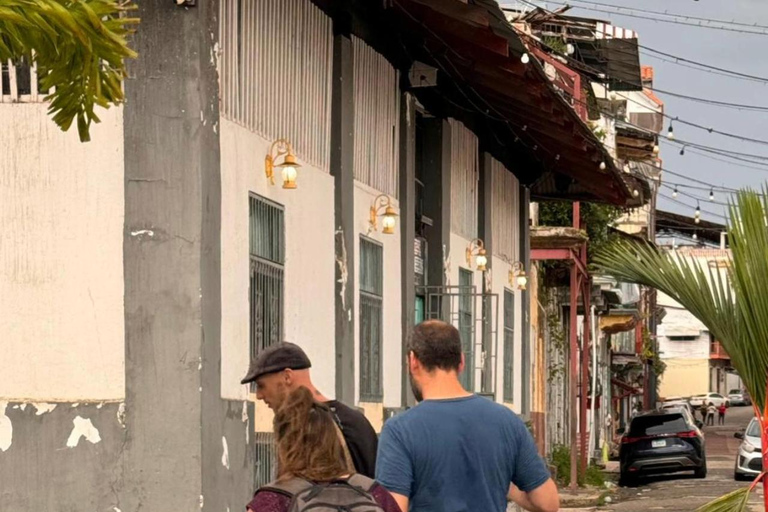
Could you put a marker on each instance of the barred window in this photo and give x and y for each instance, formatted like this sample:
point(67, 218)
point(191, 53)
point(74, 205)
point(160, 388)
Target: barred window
point(509, 345)
point(371, 292)
point(267, 250)
point(266, 459)
point(466, 327)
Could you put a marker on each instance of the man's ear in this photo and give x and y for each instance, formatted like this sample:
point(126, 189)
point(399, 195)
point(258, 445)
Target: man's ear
point(288, 376)
point(462, 364)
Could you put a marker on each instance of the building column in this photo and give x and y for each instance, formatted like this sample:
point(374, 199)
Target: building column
point(485, 233)
point(437, 204)
point(342, 160)
point(407, 202)
point(171, 258)
point(525, 301)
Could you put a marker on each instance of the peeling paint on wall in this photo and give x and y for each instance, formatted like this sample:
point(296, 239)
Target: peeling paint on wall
point(43, 407)
point(83, 427)
point(447, 265)
point(247, 421)
point(147, 232)
point(121, 414)
point(341, 261)
point(6, 428)
point(225, 452)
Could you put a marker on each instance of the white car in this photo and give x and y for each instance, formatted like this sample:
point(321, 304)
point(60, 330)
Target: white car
point(715, 399)
point(679, 405)
point(749, 460)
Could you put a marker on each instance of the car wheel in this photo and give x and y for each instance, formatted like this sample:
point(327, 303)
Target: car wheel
point(737, 476)
point(701, 472)
point(626, 480)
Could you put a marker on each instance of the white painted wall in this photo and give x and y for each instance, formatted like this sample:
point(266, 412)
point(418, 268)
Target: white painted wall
point(392, 315)
point(309, 265)
point(680, 322)
point(61, 258)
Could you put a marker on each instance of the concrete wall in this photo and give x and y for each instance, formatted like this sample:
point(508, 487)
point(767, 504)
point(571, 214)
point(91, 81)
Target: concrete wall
point(61, 261)
point(685, 377)
point(309, 258)
point(392, 314)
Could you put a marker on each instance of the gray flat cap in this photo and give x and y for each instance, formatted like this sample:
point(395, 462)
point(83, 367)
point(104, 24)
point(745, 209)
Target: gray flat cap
point(277, 358)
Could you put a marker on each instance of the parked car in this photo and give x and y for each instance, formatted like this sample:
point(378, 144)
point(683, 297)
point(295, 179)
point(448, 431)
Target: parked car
point(679, 405)
point(749, 459)
point(715, 399)
point(663, 441)
point(739, 397)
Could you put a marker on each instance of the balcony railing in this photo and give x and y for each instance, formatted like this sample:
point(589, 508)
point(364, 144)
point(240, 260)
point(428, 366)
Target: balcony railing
point(19, 83)
point(565, 80)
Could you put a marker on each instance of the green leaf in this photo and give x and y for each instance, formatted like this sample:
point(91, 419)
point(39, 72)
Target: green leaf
point(79, 48)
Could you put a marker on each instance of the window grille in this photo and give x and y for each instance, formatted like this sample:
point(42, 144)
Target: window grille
point(267, 251)
point(266, 459)
point(509, 345)
point(19, 83)
point(371, 328)
point(466, 302)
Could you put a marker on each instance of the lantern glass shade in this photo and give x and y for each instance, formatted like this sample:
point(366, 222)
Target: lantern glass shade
point(482, 261)
point(289, 176)
point(388, 223)
point(522, 282)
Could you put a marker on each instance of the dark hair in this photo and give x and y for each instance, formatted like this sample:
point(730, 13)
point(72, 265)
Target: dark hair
point(308, 444)
point(436, 344)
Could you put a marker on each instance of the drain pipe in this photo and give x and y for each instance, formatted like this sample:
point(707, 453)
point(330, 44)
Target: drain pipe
point(595, 346)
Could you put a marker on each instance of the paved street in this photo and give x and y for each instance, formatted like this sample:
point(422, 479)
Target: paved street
point(683, 492)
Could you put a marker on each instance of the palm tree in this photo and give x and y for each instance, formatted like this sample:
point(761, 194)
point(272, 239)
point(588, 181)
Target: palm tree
point(734, 306)
point(78, 46)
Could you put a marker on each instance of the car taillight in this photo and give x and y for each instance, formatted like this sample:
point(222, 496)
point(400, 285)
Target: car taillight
point(630, 440)
point(689, 434)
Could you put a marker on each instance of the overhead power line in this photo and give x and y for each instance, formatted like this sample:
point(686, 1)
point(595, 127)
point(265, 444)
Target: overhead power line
point(669, 14)
point(703, 65)
point(673, 22)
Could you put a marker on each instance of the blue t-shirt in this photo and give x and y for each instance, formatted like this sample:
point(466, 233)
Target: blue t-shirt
point(458, 455)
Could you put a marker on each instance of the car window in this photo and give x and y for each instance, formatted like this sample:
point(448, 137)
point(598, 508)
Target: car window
point(658, 424)
point(753, 429)
point(734, 392)
point(716, 395)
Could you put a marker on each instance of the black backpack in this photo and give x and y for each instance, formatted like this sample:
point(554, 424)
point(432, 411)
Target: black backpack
point(350, 495)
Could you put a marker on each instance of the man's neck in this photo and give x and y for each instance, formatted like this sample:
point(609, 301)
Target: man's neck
point(316, 394)
point(443, 386)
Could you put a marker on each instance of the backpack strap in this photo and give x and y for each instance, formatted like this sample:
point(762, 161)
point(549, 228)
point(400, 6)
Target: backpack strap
point(290, 487)
point(361, 482)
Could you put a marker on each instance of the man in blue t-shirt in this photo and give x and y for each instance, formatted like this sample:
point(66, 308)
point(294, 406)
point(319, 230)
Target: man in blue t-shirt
point(456, 451)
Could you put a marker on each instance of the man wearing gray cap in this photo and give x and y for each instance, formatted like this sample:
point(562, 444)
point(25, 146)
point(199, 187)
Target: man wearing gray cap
point(283, 367)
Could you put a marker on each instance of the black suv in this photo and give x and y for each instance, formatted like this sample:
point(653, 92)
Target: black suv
point(665, 441)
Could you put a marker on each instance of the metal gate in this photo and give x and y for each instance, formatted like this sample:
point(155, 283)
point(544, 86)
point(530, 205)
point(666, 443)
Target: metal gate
point(476, 316)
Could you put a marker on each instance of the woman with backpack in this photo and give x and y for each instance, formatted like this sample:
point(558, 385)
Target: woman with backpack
point(313, 465)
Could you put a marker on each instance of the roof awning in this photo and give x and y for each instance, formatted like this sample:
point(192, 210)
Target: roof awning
point(526, 123)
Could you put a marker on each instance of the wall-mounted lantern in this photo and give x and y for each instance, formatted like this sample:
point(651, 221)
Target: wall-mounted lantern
point(476, 248)
point(289, 165)
point(517, 276)
point(382, 207)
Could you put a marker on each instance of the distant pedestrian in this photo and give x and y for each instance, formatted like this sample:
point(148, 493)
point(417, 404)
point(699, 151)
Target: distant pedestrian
point(456, 450)
point(711, 410)
point(721, 414)
point(703, 410)
point(638, 409)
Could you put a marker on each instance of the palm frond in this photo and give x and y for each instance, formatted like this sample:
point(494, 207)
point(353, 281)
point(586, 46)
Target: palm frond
point(732, 304)
point(79, 47)
point(735, 501)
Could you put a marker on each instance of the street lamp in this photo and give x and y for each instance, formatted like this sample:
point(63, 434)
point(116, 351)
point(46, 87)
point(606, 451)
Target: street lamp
point(477, 248)
point(289, 164)
point(388, 217)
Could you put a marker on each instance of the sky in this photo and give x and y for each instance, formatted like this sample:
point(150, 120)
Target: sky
point(745, 53)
